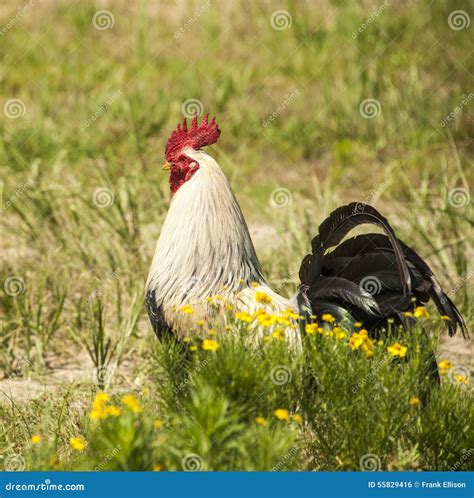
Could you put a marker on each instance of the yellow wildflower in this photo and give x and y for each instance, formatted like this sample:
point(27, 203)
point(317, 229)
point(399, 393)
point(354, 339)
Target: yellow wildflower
point(243, 316)
point(131, 402)
point(414, 401)
point(297, 418)
point(114, 411)
point(281, 414)
point(408, 313)
point(36, 439)
point(101, 397)
point(262, 297)
point(193, 348)
point(157, 423)
point(355, 341)
point(278, 334)
point(397, 350)
point(445, 318)
point(290, 313)
point(327, 317)
point(310, 328)
point(211, 332)
point(339, 333)
point(255, 284)
point(77, 443)
point(462, 379)
point(209, 345)
point(261, 421)
point(201, 323)
point(187, 310)
point(421, 312)
point(358, 324)
point(157, 468)
point(266, 320)
point(367, 348)
point(445, 365)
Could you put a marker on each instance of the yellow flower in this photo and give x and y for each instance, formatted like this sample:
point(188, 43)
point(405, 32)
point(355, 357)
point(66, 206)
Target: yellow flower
point(421, 312)
point(311, 328)
point(262, 297)
point(209, 345)
point(265, 319)
point(157, 467)
point(218, 297)
point(261, 421)
point(157, 423)
point(462, 379)
point(201, 323)
point(297, 418)
point(358, 324)
point(131, 402)
point(279, 334)
point(211, 332)
point(193, 348)
point(255, 284)
point(327, 317)
point(355, 341)
point(99, 410)
point(408, 313)
point(339, 333)
point(445, 318)
point(114, 411)
point(36, 439)
point(281, 414)
point(397, 350)
point(77, 443)
point(367, 348)
point(414, 401)
point(101, 397)
point(444, 366)
point(243, 316)
point(290, 313)
point(187, 310)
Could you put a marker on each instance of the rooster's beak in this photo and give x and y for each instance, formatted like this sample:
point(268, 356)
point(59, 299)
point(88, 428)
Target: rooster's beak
point(166, 166)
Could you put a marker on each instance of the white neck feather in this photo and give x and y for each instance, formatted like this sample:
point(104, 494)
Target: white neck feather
point(204, 247)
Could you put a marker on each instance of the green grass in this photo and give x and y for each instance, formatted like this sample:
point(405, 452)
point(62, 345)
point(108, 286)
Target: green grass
point(83, 199)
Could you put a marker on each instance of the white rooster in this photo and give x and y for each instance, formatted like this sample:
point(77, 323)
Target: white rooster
point(205, 261)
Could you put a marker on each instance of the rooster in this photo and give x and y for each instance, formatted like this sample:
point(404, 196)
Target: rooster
point(205, 262)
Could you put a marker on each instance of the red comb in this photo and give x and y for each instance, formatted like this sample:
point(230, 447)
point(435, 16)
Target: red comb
point(196, 137)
